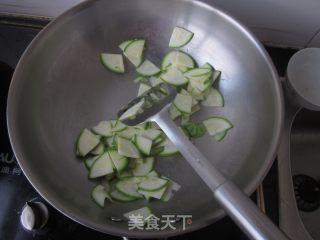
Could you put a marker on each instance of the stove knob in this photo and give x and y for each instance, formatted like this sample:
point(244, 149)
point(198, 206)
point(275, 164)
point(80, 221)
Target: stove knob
point(34, 215)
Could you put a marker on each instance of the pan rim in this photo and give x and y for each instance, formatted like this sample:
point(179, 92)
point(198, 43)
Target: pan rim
point(109, 229)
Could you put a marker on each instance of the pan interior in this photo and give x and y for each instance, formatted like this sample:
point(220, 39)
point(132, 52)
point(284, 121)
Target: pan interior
point(60, 87)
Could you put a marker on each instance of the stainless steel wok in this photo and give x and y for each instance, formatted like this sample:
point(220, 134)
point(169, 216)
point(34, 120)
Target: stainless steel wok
point(60, 87)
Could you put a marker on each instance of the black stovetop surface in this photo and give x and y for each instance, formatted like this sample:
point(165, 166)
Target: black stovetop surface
point(15, 190)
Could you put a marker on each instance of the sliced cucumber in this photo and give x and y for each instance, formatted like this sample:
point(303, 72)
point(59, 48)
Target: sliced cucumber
point(144, 212)
point(103, 129)
point(133, 111)
point(155, 151)
point(147, 69)
point(214, 99)
point(174, 112)
point(180, 37)
point(128, 133)
point(174, 76)
point(172, 188)
point(128, 188)
point(124, 174)
point(169, 148)
point(150, 133)
point(208, 66)
point(120, 162)
point(154, 81)
point(86, 142)
point(142, 168)
point(141, 79)
point(153, 194)
point(89, 161)
point(195, 130)
point(113, 62)
point(215, 75)
point(215, 125)
point(178, 59)
point(153, 173)
point(183, 103)
point(127, 148)
point(120, 197)
point(201, 83)
point(99, 194)
point(143, 88)
point(220, 136)
point(98, 150)
point(124, 44)
point(197, 72)
point(134, 51)
point(143, 144)
point(117, 126)
point(101, 167)
point(109, 141)
point(152, 184)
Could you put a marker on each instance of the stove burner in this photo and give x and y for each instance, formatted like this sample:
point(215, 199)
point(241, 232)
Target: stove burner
point(307, 192)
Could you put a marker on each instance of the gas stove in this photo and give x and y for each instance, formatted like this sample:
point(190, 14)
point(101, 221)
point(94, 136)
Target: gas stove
point(17, 194)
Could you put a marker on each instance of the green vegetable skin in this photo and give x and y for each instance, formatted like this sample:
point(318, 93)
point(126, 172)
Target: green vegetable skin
point(195, 130)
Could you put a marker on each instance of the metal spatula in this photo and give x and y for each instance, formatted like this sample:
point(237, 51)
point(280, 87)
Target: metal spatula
point(153, 106)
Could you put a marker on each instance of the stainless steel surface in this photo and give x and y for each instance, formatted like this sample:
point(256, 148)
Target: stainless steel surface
point(60, 87)
point(150, 106)
point(303, 76)
point(289, 220)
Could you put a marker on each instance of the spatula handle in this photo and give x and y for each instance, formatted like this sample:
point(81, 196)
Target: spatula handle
point(238, 206)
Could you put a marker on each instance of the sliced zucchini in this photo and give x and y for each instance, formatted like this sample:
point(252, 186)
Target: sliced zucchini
point(133, 111)
point(215, 125)
point(120, 162)
point(86, 142)
point(98, 150)
point(124, 174)
point(144, 212)
point(143, 88)
point(124, 44)
point(154, 81)
point(128, 188)
point(117, 126)
point(127, 148)
point(197, 72)
point(143, 144)
point(134, 51)
point(220, 136)
point(208, 66)
point(128, 133)
point(195, 130)
point(103, 129)
point(150, 133)
point(152, 184)
point(214, 99)
point(172, 188)
point(178, 59)
point(147, 69)
point(153, 194)
point(201, 83)
point(153, 173)
point(174, 76)
point(89, 161)
point(180, 37)
point(216, 75)
point(120, 197)
point(174, 112)
point(142, 168)
point(183, 103)
point(169, 148)
point(99, 194)
point(113, 62)
point(101, 167)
